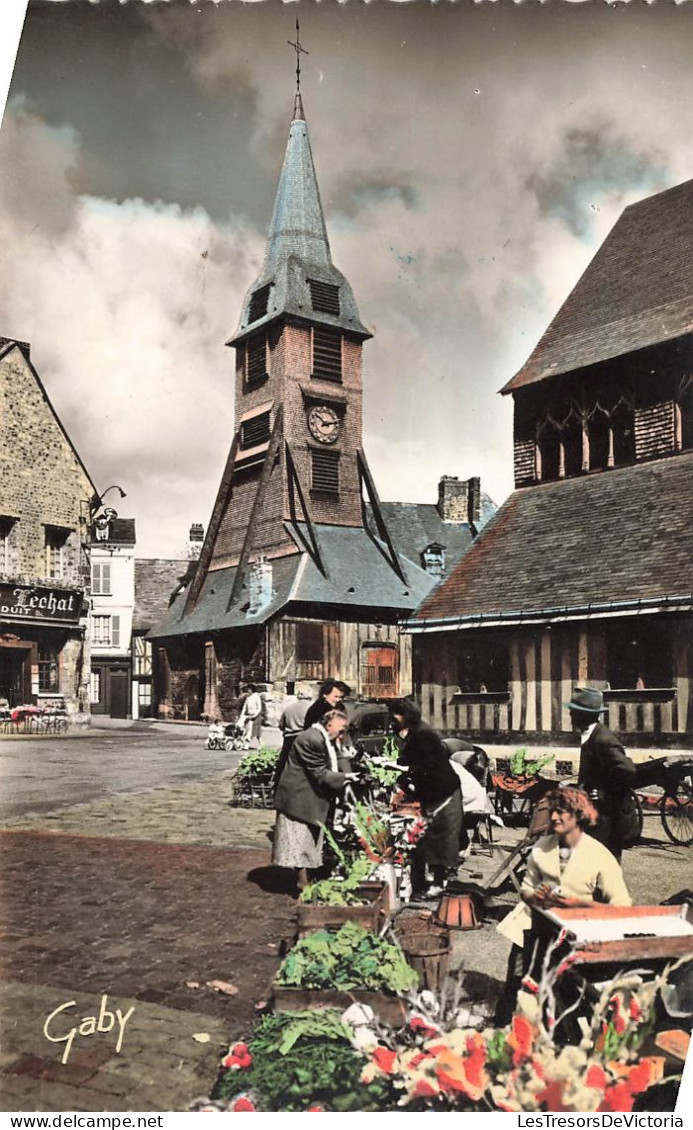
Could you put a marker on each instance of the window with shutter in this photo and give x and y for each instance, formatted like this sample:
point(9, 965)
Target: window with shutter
point(256, 358)
point(258, 303)
point(327, 354)
point(324, 296)
point(325, 471)
point(115, 631)
point(101, 578)
point(256, 430)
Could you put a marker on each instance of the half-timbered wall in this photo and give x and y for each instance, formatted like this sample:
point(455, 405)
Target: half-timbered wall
point(344, 648)
point(543, 665)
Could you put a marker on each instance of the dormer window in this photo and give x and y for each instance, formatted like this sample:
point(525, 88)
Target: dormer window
point(324, 296)
point(433, 559)
point(256, 358)
point(327, 354)
point(258, 303)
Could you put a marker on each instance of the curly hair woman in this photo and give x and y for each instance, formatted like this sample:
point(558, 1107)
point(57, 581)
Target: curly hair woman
point(567, 868)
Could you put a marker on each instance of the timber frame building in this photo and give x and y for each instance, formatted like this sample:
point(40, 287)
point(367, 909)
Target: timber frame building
point(586, 572)
point(298, 578)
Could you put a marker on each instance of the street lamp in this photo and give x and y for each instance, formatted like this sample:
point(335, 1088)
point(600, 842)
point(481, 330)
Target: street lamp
point(96, 500)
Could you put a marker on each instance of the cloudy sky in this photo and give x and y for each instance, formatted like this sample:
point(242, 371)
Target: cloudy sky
point(471, 158)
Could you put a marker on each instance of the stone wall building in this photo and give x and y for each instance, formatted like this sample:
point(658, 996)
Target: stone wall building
point(586, 572)
point(45, 493)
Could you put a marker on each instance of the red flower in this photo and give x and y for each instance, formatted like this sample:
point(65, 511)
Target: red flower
point(596, 1077)
point(617, 1097)
point(476, 1060)
point(418, 1024)
point(551, 1097)
point(240, 1049)
point(642, 1075)
point(243, 1103)
point(521, 1039)
point(385, 1059)
point(424, 1090)
point(635, 1009)
point(315, 1108)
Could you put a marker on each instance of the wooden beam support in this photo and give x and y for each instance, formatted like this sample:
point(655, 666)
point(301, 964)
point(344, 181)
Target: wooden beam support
point(294, 481)
point(367, 480)
point(258, 504)
point(220, 505)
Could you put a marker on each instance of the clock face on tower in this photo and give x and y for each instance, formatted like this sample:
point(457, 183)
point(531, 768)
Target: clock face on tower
point(324, 423)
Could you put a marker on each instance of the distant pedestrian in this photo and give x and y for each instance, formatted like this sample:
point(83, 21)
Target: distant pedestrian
point(330, 697)
point(606, 772)
point(250, 718)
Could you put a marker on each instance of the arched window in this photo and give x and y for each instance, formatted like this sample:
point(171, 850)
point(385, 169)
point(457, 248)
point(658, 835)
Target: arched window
point(623, 431)
point(549, 453)
point(572, 446)
point(598, 432)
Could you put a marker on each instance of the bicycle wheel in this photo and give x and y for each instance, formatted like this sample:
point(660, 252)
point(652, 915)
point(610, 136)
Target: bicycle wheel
point(677, 812)
point(637, 804)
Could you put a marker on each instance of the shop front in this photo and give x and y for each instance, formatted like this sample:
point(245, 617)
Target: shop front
point(42, 656)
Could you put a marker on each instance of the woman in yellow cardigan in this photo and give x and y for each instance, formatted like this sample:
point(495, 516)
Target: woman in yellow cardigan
point(567, 868)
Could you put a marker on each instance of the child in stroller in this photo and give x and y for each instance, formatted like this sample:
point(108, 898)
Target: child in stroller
point(224, 735)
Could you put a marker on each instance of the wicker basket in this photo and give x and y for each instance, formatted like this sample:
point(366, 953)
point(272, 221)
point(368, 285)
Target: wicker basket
point(429, 954)
point(253, 791)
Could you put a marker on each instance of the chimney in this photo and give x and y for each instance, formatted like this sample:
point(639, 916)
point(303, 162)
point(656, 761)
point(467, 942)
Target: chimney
point(259, 585)
point(459, 500)
point(195, 539)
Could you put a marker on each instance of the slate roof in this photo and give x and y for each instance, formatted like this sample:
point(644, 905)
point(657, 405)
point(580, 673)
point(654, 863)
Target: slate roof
point(121, 531)
point(298, 247)
point(155, 580)
point(359, 577)
point(636, 292)
point(551, 550)
point(415, 525)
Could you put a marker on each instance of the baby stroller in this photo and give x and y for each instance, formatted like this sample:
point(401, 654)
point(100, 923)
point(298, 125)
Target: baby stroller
point(224, 735)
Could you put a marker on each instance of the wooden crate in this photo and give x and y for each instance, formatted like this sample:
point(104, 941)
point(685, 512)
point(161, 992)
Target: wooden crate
point(371, 913)
point(390, 1010)
point(618, 946)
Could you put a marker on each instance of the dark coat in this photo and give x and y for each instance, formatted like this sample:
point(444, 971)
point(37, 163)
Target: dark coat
point(429, 771)
point(307, 786)
point(606, 768)
point(315, 712)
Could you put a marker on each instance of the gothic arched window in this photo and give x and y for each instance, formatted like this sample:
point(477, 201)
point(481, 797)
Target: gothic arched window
point(549, 453)
point(623, 430)
point(598, 433)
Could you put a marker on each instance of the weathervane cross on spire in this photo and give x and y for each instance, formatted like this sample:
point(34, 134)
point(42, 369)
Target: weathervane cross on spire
point(300, 50)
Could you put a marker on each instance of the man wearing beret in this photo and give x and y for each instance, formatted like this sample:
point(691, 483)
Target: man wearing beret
point(606, 772)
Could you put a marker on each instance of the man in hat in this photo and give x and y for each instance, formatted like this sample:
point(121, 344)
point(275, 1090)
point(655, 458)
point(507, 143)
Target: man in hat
point(606, 772)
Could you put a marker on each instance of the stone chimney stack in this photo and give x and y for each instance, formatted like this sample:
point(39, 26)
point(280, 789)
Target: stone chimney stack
point(195, 539)
point(459, 500)
point(259, 585)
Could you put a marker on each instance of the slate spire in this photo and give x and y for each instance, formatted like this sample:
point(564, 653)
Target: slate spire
point(298, 250)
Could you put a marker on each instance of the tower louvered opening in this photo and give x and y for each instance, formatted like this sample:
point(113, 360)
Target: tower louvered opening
point(327, 354)
point(324, 296)
point(256, 358)
point(258, 303)
point(325, 471)
point(256, 430)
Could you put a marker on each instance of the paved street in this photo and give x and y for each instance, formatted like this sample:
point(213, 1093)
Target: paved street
point(44, 774)
point(126, 872)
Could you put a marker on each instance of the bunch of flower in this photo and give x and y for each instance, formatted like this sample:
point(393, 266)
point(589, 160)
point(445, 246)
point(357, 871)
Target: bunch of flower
point(386, 837)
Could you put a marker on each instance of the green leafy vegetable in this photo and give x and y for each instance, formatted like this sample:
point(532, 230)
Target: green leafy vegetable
point(258, 763)
point(301, 1058)
point(351, 958)
point(339, 890)
point(522, 766)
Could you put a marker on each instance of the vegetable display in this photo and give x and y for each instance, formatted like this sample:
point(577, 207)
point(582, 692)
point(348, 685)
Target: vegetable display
point(351, 958)
point(522, 766)
point(258, 763)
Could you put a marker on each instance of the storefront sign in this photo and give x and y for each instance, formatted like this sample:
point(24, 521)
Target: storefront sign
point(24, 602)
